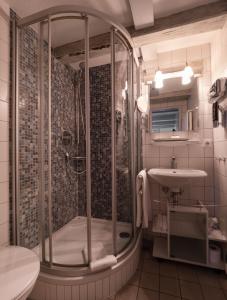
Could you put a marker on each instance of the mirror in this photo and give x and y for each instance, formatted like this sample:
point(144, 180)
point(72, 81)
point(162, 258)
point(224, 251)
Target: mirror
point(174, 107)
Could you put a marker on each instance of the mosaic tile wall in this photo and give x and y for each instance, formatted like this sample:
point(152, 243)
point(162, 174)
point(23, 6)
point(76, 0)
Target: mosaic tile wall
point(64, 180)
point(28, 139)
point(100, 96)
point(64, 187)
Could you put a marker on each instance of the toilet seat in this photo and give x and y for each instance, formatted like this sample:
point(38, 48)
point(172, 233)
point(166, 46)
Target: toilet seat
point(19, 269)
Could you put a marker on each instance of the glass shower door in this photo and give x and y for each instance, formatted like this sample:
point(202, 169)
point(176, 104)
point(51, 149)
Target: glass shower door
point(123, 98)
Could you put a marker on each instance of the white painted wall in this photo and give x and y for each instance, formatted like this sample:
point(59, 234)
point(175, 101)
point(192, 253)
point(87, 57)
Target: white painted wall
point(195, 156)
point(219, 69)
point(4, 123)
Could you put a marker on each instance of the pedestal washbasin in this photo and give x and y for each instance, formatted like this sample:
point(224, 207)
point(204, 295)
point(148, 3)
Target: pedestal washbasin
point(175, 178)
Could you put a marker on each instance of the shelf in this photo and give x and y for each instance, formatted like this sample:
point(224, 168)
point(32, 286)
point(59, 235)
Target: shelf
point(188, 225)
point(189, 249)
point(187, 230)
point(188, 209)
point(159, 225)
point(216, 235)
point(160, 250)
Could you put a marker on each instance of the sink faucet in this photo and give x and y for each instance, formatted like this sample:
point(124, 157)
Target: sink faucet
point(173, 163)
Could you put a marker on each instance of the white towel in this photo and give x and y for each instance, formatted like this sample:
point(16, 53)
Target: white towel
point(103, 263)
point(143, 200)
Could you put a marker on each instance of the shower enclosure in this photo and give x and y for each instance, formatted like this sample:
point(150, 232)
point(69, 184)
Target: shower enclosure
point(74, 150)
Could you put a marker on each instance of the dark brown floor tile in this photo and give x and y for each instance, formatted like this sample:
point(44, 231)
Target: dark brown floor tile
point(145, 294)
point(191, 290)
point(149, 281)
point(169, 286)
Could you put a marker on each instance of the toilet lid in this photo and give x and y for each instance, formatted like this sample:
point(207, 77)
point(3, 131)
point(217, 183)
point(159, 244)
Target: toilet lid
point(19, 269)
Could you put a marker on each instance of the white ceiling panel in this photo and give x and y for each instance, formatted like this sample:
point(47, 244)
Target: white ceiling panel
point(142, 12)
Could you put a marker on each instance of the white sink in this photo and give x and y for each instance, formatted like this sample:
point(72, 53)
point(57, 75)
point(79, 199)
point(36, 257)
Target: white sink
point(175, 178)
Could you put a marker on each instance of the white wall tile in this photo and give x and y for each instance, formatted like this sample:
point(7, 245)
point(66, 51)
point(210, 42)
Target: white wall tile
point(4, 234)
point(166, 152)
point(4, 151)
point(165, 162)
point(165, 59)
point(206, 51)
point(179, 56)
point(4, 30)
point(181, 151)
point(182, 162)
point(196, 150)
point(4, 131)
point(4, 113)
point(194, 53)
point(4, 91)
point(4, 212)
point(4, 71)
point(4, 52)
point(4, 171)
point(4, 192)
point(196, 163)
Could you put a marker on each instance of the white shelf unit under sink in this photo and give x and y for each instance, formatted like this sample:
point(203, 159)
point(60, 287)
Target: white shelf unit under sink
point(183, 235)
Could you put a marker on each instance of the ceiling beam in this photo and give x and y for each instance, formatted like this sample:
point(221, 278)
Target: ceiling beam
point(77, 48)
point(193, 21)
point(142, 13)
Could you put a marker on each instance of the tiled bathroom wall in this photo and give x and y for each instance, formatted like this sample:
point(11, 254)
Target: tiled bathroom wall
point(219, 69)
point(4, 123)
point(198, 155)
point(64, 187)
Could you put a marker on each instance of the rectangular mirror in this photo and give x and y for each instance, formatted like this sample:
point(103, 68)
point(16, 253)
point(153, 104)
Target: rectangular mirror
point(174, 107)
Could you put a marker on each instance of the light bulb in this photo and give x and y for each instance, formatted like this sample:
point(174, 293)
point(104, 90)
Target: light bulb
point(186, 79)
point(188, 71)
point(143, 104)
point(158, 80)
point(126, 85)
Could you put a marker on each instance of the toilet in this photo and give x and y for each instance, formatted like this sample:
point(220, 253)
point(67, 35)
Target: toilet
point(19, 269)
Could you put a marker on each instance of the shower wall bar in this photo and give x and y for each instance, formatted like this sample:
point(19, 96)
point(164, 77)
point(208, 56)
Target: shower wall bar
point(113, 140)
point(41, 150)
point(50, 226)
point(46, 17)
point(88, 139)
point(15, 136)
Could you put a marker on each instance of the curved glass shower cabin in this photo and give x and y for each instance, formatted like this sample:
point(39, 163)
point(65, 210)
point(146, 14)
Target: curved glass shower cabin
point(74, 159)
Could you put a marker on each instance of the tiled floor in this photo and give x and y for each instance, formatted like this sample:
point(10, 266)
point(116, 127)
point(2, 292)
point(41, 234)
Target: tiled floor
point(164, 280)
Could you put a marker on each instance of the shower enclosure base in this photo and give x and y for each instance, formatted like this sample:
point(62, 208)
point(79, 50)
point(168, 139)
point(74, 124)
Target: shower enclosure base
point(100, 286)
point(70, 243)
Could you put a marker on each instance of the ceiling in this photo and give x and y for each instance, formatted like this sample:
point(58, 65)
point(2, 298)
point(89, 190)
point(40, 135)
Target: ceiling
point(120, 10)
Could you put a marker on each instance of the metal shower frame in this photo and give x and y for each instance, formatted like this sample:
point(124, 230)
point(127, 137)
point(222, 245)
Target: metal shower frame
point(47, 17)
